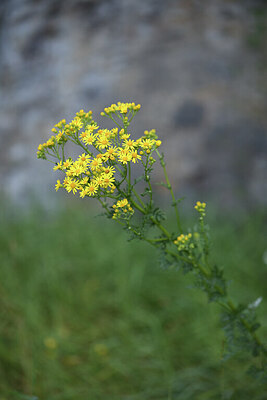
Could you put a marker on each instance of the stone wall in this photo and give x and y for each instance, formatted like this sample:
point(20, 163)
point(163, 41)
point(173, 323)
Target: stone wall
point(197, 67)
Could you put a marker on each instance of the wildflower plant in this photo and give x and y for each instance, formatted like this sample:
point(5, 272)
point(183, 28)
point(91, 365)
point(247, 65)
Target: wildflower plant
point(103, 171)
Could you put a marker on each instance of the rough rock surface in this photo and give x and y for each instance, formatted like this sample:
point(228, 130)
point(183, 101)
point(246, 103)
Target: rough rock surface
point(198, 69)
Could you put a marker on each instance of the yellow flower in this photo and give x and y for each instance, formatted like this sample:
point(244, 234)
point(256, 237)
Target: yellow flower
point(125, 136)
point(87, 138)
point(83, 192)
point(95, 164)
point(109, 134)
point(147, 144)
point(135, 156)
point(200, 207)
point(122, 203)
point(58, 185)
point(109, 170)
point(92, 127)
point(50, 143)
point(71, 185)
point(59, 125)
point(77, 169)
point(112, 189)
point(122, 108)
point(76, 124)
point(83, 159)
point(183, 242)
point(107, 180)
point(102, 142)
point(58, 166)
point(151, 134)
point(91, 189)
point(122, 209)
point(59, 136)
point(124, 156)
point(113, 132)
point(69, 174)
point(67, 163)
point(110, 153)
point(98, 180)
point(129, 144)
point(84, 181)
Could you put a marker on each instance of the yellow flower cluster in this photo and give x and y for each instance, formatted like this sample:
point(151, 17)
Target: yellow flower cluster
point(121, 108)
point(122, 209)
point(201, 208)
point(62, 131)
point(86, 175)
point(49, 144)
point(183, 242)
point(107, 152)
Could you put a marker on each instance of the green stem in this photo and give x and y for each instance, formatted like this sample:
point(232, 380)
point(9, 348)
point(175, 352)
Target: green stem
point(57, 154)
point(161, 227)
point(139, 198)
point(103, 204)
point(50, 154)
point(114, 121)
point(171, 190)
point(187, 260)
point(150, 189)
point(157, 240)
point(77, 141)
point(63, 153)
point(129, 179)
point(139, 208)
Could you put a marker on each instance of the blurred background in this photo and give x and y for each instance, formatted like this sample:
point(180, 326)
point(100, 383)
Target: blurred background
point(198, 69)
point(84, 313)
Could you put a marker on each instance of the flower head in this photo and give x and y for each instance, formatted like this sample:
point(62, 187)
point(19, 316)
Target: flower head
point(71, 185)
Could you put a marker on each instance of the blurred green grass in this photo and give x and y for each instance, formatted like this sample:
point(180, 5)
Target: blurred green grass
point(87, 315)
